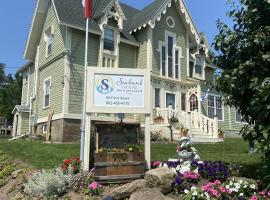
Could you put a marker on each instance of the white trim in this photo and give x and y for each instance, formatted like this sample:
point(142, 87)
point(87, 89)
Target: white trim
point(173, 21)
point(28, 86)
point(80, 28)
point(149, 48)
point(46, 36)
point(43, 128)
point(60, 116)
point(57, 17)
point(188, 53)
point(44, 89)
point(130, 42)
point(65, 105)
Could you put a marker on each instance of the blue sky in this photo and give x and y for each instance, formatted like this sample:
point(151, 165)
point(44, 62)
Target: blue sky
point(15, 20)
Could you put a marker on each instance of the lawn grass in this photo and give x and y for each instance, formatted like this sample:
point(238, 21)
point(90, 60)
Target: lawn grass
point(38, 154)
point(46, 156)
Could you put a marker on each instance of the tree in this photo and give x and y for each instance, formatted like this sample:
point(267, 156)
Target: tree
point(10, 93)
point(244, 56)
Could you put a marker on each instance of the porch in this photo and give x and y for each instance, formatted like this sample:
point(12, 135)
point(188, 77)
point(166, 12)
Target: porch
point(199, 127)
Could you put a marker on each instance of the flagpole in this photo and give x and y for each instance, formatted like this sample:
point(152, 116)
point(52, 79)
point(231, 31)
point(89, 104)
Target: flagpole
point(85, 91)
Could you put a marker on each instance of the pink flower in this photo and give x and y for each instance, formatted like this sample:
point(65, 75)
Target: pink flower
point(217, 182)
point(253, 198)
point(216, 193)
point(156, 163)
point(268, 193)
point(262, 193)
point(93, 186)
point(204, 188)
point(222, 189)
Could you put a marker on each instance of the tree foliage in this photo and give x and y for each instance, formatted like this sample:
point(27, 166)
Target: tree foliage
point(244, 56)
point(10, 93)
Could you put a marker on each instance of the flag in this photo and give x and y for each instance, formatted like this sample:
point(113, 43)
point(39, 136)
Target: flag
point(88, 8)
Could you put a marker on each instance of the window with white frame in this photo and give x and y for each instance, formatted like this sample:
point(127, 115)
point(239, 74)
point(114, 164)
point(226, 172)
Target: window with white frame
point(25, 77)
point(47, 92)
point(238, 117)
point(109, 54)
point(49, 41)
point(170, 56)
point(215, 107)
point(199, 63)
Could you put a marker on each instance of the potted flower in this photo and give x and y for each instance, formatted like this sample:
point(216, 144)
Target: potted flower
point(159, 120)
point(184, 151)
point(184, 132)
point(221, 133)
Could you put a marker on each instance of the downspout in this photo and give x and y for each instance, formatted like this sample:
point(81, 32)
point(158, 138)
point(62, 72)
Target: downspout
point(34, 91)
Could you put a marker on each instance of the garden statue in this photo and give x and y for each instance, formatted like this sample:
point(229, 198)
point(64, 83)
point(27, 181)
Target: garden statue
point(185, 151)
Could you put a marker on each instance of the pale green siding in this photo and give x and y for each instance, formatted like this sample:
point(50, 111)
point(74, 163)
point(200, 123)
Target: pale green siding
point(127, 55)
point(142, 52)
point(236, 126)
point(51, 66)
point(77, 66)
point(24, 123)
point(27, 92)
point(58, 38)
point(24, 88)
point(56, 72)
point(159, 35)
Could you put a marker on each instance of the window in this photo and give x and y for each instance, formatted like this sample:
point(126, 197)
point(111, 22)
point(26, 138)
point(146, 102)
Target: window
point(170, 56)
point(163, 62)
point(193, 102)
point(157, 97)
point(25, 77)
point(215, 107)
point(177, 64)
point(183, 101)
point(239, 117)
point(109, 39)
point(199, 65)
point(47, 91)
point(170, 100)
point(49, 41)
point(44, 128)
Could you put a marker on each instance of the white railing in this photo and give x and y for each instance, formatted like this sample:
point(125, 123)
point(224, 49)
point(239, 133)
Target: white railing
point(191, 120)
point(204, 124)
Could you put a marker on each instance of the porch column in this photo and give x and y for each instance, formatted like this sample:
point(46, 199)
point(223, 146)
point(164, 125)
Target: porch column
point(199, 95)
point(147, 141)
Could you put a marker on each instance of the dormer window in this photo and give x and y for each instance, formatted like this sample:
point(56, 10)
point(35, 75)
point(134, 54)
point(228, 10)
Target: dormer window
point(109, 39)
point(49, 41)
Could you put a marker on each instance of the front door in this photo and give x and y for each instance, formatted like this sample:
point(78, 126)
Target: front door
point(170, 100)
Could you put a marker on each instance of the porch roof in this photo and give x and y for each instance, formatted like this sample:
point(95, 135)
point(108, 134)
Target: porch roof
point(21, 108)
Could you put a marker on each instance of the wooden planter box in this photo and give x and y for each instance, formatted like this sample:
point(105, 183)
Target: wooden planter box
point(119, 167)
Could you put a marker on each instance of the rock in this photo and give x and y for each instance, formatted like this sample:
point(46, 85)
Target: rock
point(161, 178)
point(147, 194)
point(16, 173)
point(126, 190)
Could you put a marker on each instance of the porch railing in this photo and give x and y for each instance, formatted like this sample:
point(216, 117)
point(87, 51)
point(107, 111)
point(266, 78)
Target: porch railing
point(194, 120)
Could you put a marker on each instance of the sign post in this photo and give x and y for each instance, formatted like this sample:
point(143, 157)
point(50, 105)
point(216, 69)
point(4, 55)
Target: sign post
point(115, 91)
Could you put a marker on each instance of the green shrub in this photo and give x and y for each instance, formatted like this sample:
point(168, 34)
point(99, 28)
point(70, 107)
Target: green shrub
point(46, 184)
point(157, 136)
point(6, 171)
point(2, 182)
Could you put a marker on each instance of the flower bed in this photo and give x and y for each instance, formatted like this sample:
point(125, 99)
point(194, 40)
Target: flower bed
point(211, 180)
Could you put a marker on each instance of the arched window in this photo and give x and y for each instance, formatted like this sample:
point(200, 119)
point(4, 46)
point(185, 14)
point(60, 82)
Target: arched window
point(193, 102)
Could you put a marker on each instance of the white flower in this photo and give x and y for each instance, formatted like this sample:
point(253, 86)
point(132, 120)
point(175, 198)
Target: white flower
point(245, 186)
point(194, 193)
point(193, 188)
point(252, 186)
point(231, 183)
point(165, 165)
point(240, 181)
point(227, 187)
point(186, 191)
point(237, 185)
point(241, 194)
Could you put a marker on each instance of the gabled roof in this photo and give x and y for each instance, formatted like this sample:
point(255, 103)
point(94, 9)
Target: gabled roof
point(70, 13)
point(21, 108)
